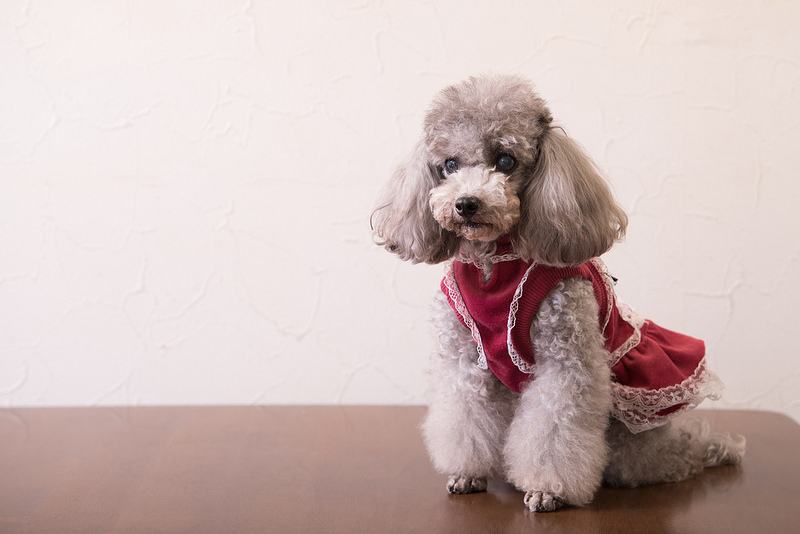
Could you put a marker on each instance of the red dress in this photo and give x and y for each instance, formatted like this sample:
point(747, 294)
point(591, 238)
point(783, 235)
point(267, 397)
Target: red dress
point(655, 372)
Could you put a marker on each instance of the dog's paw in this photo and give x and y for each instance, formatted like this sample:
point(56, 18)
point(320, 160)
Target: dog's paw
point(542, 501)
point(465, 484)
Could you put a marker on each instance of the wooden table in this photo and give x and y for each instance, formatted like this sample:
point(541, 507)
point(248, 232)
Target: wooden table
point(336, 470)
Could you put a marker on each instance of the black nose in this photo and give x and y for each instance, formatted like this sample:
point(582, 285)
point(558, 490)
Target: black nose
point(467, 206)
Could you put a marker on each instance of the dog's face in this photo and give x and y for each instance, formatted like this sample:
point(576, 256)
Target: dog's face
point(477, 201)
point(481, 143)
point(489, 164)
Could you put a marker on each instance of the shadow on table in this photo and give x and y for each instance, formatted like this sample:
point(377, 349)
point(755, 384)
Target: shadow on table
point(646, 509)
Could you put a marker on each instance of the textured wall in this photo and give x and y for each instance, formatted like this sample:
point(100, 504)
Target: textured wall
point(186, 186)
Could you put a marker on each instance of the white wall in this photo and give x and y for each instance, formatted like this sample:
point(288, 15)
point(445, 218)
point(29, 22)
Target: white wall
point(186, 186)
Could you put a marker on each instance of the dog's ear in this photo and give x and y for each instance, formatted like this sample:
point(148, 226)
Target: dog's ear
point(568, 213)
point(403, 222)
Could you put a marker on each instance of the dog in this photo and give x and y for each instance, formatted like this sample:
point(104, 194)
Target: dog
point(541, 376)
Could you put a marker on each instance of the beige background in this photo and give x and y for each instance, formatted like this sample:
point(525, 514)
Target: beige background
point(186, 186)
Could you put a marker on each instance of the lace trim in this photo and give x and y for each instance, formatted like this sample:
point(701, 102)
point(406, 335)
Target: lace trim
point(504, 257)
point(633, 319)
point(638, 407)
point(610, 296)
point(458, 301)
point(485, 264)
point(521, 364)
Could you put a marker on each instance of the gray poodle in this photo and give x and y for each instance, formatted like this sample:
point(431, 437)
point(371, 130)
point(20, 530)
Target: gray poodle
point(541, 375)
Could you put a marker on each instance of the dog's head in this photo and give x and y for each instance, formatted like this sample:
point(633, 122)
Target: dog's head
point(489, 164)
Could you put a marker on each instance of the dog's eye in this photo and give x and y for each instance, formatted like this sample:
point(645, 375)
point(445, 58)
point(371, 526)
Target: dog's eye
point(505, 162)
point(450, 166)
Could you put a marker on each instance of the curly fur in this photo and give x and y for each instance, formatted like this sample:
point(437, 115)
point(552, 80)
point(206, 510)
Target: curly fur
point(470, 409)
point(566, 413)
point(403, 221)
point(555, 440)
point(498, 195)
point(571, 215)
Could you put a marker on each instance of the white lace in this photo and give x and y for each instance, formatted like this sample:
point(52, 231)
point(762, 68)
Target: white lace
point(633, 319)
point(521, 364)
point(638, 407)
point(504, 257)
point(610, 296)
point(458, 302)
point(485, 263)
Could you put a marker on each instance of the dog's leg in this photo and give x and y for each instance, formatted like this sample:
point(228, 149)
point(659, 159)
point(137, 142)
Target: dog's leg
point(670, 453)
point(556, 449)
point(469, 411)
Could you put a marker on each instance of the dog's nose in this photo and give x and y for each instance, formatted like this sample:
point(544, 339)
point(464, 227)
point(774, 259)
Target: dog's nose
point(467, 206)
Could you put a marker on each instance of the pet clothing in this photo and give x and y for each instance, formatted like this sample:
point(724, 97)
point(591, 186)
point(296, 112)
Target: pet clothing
point(655, 372)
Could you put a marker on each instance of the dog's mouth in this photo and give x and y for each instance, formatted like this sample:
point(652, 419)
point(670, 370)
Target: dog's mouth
point(476, 230)
point(471, 226)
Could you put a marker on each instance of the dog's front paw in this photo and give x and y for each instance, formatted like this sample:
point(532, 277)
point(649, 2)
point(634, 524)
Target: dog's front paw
point(465, 484)
point(542, 501)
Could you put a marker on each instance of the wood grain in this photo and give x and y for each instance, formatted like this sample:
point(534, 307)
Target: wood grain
point(336, 470)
